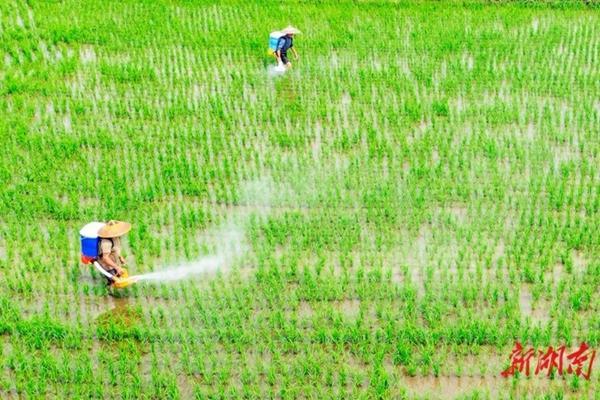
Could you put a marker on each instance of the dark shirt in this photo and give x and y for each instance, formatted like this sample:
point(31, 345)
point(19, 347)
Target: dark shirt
point(284, 43)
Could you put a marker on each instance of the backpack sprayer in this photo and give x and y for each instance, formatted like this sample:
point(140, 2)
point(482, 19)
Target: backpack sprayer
point(273, 39)
point(90, 244)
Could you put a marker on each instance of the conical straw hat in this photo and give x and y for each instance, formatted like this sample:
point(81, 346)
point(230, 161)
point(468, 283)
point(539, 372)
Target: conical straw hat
point(114, 229)
point(290, 30)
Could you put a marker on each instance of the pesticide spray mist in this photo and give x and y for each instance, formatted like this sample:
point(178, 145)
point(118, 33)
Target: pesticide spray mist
point(228, 240)
point(276, 70)
point(229, 244)
point(205, 265)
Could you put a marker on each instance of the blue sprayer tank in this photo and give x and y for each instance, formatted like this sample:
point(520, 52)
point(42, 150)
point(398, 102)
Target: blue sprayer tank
point(89, 241)
point(273, 39)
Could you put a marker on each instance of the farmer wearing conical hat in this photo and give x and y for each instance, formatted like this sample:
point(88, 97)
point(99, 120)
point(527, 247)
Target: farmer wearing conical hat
point(285, 43)
point(109, 251)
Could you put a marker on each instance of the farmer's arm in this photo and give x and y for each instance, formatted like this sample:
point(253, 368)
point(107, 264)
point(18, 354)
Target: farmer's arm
point(295, 52)
point(117, 250)
point(106, 260)
point(105, 251)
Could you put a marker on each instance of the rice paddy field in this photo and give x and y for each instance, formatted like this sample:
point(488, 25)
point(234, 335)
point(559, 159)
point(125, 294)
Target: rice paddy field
point(420, 191)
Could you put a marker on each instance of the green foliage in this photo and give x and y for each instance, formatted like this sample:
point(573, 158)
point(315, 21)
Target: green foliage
point(434, 196)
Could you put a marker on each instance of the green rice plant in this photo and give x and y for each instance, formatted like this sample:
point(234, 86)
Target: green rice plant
point(413, 195)
point(574, 383)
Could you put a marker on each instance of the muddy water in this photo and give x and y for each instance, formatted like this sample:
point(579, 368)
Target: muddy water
point(538, 312)
point(451, 387)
